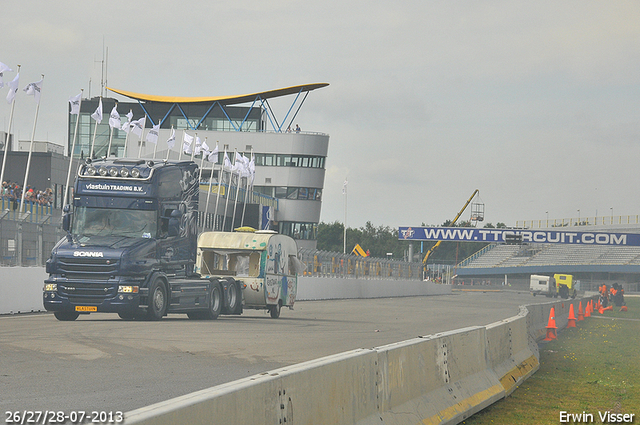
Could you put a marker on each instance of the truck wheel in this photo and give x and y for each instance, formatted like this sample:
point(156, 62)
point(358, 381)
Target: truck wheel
point(274, 310)
point(66, 316)
point(157, 300)
point(234, 298)
point(216, 301)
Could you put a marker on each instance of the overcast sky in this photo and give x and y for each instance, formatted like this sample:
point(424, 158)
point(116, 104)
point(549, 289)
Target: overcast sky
point(536, 104)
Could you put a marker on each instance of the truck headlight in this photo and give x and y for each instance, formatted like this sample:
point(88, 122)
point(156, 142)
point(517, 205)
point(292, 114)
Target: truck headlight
point(128, 289)
point(51, 287)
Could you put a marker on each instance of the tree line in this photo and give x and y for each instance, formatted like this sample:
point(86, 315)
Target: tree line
point(381, 240)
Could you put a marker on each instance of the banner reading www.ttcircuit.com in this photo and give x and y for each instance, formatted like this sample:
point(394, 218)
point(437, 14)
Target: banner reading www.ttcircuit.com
point(461, 234)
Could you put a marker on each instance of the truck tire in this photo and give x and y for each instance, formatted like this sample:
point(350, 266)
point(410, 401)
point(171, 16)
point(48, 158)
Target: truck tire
point(233, 299)
point(158, 300)
point(274, 310)
point(66, 316)
point(216, 301)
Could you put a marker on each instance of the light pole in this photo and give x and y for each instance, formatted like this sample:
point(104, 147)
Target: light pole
point(578, 217)
point(344, 236)
point(611, 214)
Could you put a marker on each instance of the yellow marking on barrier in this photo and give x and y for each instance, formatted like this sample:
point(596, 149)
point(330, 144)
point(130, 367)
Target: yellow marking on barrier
point(509, 380)
point(463, 406)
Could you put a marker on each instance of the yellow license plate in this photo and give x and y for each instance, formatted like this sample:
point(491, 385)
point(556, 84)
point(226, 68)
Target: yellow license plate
point(86, 308)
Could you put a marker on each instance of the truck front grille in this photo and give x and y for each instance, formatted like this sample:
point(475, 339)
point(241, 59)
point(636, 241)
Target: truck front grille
point(87, 292)
point(87, 268)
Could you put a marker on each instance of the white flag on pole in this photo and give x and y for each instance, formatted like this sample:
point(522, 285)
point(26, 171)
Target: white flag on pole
point(3, 68)
point(227, 161)
point(127, 125)
point(138, 125)
point(114, 118)
point(97, 115)
point(33, 89)
point(252, 168)
point(186, 143)
point(171, 142)
point(213, 156)
point(152, 135)
point(75, 104)
point(198, 146)
point(13, 88)
point(205, 148)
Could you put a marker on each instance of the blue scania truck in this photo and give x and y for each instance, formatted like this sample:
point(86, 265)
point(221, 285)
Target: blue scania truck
point(131, 246)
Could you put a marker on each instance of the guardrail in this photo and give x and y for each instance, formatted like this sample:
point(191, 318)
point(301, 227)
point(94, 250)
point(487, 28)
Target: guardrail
point(436, 379)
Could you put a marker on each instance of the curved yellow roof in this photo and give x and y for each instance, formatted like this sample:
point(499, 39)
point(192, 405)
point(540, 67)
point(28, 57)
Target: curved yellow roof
point(226, 100)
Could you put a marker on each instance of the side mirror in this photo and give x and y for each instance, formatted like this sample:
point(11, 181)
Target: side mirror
point(174, 223)
point(66, 218)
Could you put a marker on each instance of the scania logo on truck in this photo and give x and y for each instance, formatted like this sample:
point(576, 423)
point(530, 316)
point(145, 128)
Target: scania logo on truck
point(87, 254)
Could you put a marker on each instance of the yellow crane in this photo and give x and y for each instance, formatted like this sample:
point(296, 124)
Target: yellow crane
point(477, 214)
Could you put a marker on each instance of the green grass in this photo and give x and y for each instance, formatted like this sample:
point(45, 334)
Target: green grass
point(592, 368)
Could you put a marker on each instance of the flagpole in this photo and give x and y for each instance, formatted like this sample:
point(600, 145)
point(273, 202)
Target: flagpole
point(246, 194)
point(235, 201)
point(128, 130)
point(206, 208)
point(182, 148)
point(199, 179)
point(6, 144)
point(155, 148)
point(169, 148)
point(73, 148)
point(193, 149)
point(226, 193)
point(142, 136)
point(33, 134)
point(110, 134)
point(95, 131)
point(220, 179)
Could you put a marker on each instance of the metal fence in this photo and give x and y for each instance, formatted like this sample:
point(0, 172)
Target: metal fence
point(28, 239)
point(334, 264)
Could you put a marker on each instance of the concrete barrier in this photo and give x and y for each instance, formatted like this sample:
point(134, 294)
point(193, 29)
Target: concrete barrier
point(333, 390)
point(435, 379)
point(438, 379)
point(326, 288)
point(21, 289)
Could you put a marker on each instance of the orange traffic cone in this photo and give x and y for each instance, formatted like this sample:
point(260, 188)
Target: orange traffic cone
point(623, 308)
point(580, 312)
point(607, 308)
point(572, 318)
point(587, 311)
point(551, 326)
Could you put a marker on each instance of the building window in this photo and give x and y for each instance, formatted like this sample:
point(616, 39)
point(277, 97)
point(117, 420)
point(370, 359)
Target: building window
point(299, 193)
point(302, 231)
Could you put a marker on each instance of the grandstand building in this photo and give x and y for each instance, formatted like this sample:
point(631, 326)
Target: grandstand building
point(286, 192)
point(591, 264)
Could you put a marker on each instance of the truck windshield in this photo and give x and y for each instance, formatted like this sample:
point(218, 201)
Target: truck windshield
point(114, 222)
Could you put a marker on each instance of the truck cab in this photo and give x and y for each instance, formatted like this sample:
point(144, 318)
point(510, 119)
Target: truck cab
point(131, 225)
point(566, 285)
